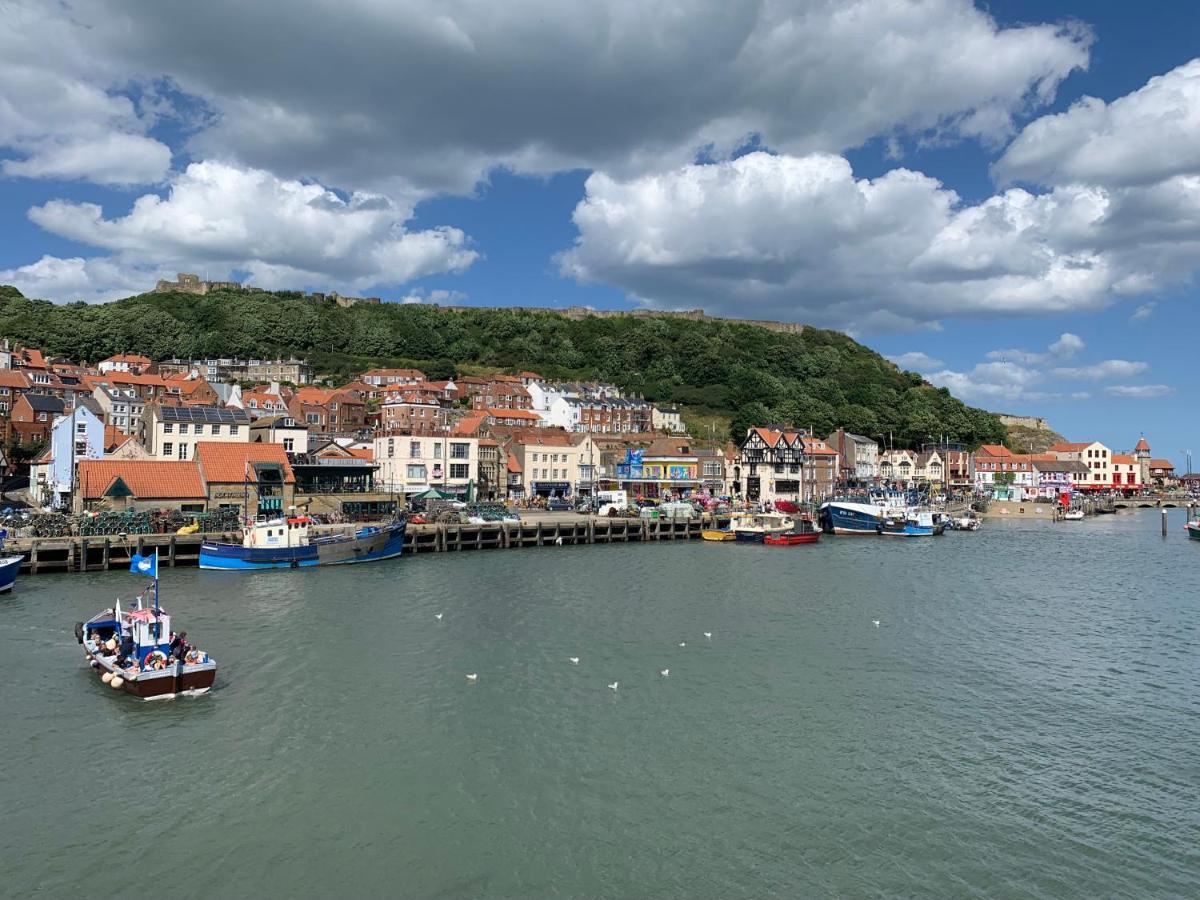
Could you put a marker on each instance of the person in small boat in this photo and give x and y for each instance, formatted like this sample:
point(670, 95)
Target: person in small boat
point(179, 646)
point(125, 651)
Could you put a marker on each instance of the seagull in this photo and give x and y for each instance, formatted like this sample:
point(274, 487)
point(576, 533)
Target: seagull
point(665, 672)
point(438, 616)
point(683, 643)
point(574, 660)
point(558, 542)
point(472, 678)
point(875, 622)
point(613, 686)
point(708, 634)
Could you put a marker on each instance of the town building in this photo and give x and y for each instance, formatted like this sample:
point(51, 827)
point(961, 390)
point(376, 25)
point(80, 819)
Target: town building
point(74, 436)
point(13, 383)
point(820, 471)
point(555, 463)
point(666, 418)
point(328, 411)
point(120, 407)
point(403, 411)
point(858, 456)
point(769, 463)
point(140, 484)
point(257, 479)
point(227, 369)
point(1162, 473)
point(283, 430)
point(500, 394)
point(386, 378)
point(172, 432)
point(1096, 456)
point(413, 463)
point(125, 362)
point(32, 416)
point(515, 418)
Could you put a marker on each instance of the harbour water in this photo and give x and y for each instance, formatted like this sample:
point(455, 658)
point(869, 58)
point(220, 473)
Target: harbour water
point(1023, 722)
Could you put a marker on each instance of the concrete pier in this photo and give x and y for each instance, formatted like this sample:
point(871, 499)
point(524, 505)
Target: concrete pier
point(97, 553)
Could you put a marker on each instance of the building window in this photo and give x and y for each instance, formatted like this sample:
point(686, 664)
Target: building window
point(183, 450)
point(289, 445)
point(416, 473)
point(460, 451)
point(414, 449)
point(216, 429)
point(437, 450)
point(233, 429)
point(183, 428)
point(168, 448)
point(168, 427)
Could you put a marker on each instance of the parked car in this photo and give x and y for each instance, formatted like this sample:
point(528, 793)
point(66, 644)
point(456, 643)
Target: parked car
point(558, 504)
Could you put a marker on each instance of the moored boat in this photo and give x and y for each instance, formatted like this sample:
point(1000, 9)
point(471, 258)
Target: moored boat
point(1193, 529)
point(1073, 515)
point(288, 544)
point(10, 566)
point(752, 528)
point(138, 653)
point(791, 538)
point(917, 524)
point(718, 534)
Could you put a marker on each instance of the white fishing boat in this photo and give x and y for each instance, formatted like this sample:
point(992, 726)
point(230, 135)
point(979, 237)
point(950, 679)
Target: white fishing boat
point(1073, 515)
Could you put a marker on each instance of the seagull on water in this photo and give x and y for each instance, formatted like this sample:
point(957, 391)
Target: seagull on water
point(438, 616)
point(683, 643)
point(665, 672)
point(613, 686)
point(472, 678)
point(708, 634)
point(574, 660)
point(875, 622)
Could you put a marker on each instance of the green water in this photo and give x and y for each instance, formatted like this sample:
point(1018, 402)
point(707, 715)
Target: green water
point(1024, 722)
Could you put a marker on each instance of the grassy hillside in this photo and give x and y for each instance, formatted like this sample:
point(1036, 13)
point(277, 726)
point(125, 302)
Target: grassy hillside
point(740, 373)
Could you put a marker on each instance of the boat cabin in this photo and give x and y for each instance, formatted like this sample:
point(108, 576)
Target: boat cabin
point(289, 532)
point(150, 631)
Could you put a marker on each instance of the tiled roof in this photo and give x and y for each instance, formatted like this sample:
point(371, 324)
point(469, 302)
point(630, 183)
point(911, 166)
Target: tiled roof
point(1068, 447)
point(228, 462)
point(128, 358)
point(367, 453)
point(1161, 464)
point(11, 378)
point(148, 479)
point(524, 414)
point(114, 438)
point(1123, 459)
point(1142, 445)
point(996, 450)
point(468, 425)
point(44, 403)
point(513, 465)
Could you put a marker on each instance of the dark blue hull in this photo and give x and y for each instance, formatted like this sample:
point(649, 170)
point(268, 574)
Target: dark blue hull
point(366, 545)
point(9, 567)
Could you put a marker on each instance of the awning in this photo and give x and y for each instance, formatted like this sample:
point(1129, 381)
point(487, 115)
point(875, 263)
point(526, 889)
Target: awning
point(551, 485)
point(433, 494)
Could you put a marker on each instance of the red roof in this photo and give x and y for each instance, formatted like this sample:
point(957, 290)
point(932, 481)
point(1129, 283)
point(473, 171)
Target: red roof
point(129, 358)
point(367, 453)
point(149, 479)
point(1124, 459)
point(114, 438)
point(1068, 447)
point(995, 450)
point(30, 357)
point(1161, 464)
point(524, 414)
point(1142, 445)
point(229, 462)
point(513, 465)
point(468, 425)
point(11, 378)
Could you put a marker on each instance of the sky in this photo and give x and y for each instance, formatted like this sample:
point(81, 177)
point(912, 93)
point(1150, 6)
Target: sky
point(1003, 197)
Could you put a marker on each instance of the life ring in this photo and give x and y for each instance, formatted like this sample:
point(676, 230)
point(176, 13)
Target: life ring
point(155, 659)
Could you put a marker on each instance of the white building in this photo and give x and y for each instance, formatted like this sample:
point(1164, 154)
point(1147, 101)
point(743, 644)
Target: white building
point(666, 418)
point(172, 432)
point(1094, 455)
point(412, 463)
point(73, 437)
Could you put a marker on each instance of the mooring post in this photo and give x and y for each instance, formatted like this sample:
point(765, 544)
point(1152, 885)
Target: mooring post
point(1164, 522)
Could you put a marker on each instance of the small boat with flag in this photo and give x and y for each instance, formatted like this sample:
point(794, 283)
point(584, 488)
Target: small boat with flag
point(289, 544)
point(10, 565)
point(137, 652)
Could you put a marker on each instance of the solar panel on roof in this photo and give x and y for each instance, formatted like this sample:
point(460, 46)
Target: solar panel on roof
point(203, 414)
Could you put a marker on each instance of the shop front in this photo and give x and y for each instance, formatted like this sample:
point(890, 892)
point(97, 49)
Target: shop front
point(550, 488)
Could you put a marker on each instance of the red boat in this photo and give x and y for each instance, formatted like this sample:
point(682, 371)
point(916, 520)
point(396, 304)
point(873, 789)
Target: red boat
point(789, 538)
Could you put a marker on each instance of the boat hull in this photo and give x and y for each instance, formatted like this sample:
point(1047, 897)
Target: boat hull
point(1194, 531)
point(159, 684)
point(748, 537)
point(365, 546)
point(792, 540)
point(9, 567)
point(852, 518)
point(713, 534)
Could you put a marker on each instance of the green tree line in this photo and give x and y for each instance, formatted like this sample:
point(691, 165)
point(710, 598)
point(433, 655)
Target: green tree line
point(818, 378)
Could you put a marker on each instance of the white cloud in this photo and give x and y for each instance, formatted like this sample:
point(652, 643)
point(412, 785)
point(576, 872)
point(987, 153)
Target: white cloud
point(1142, 138)
point(1067, 345)
point(1102, 371)
point(1139, 391)
point(916, 361)
point(61, 115)
point(92, 280)
point(284, 233)
point(440, 296)
point(1143, 312)
point(626, 87)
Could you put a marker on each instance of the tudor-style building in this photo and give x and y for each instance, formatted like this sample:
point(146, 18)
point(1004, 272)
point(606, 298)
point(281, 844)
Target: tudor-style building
point(771, 465)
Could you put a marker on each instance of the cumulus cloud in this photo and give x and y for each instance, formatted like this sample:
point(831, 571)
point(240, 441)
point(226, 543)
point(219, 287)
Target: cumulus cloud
point(439, 296)
point(625, 87)
point(1139, 139)
point(1067, 345)
point(91, 280)
point(916, 361)
point(61, 113)
point(1143, 312)
point(1139, 391)
point(801, 238)
point(283, 233)
point(1101, 371)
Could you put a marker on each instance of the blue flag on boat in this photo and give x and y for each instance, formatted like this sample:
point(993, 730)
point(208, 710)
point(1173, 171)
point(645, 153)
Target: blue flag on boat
point(144, 565)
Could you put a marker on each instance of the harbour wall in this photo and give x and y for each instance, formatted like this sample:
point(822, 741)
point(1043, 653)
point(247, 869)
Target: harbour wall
point(100, 553)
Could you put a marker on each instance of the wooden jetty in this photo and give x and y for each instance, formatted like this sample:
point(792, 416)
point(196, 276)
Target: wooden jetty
point(99, 553)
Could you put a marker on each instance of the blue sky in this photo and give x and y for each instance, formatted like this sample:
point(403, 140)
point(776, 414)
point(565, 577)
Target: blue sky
point(926, 176)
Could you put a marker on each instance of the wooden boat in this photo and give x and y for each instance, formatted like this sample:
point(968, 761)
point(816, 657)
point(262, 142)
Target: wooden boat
point(287, 544)
point(717, 534)
point(132, 651)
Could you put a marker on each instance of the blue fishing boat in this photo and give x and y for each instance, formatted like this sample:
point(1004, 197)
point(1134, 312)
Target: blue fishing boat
point(9, 566)
point(916, 524)
point(288, 544)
